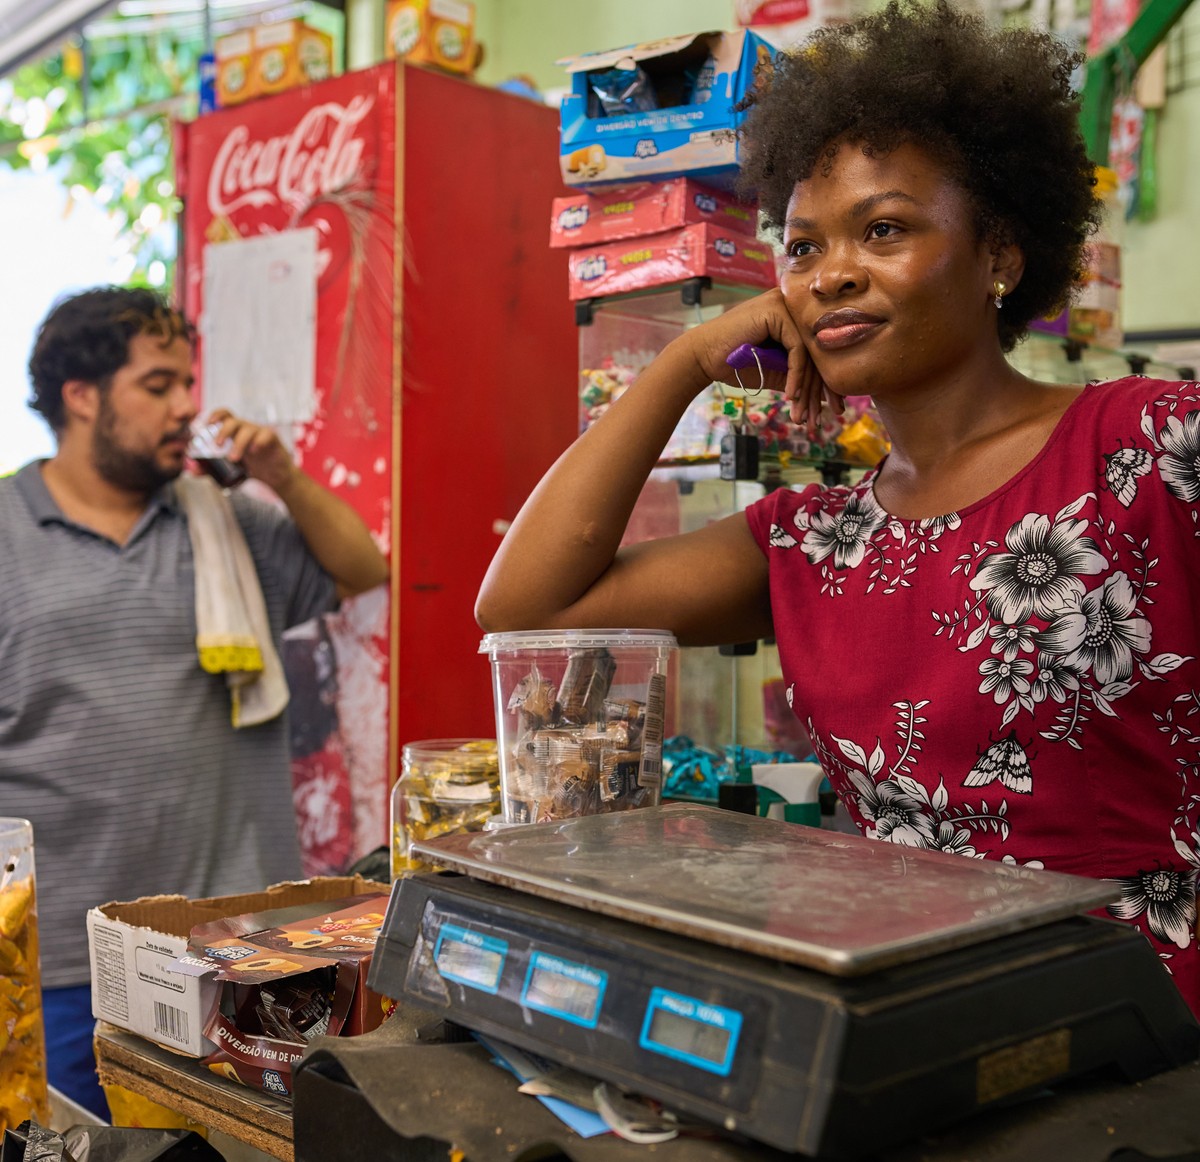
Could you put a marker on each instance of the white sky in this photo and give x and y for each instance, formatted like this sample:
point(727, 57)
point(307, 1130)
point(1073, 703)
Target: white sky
point(50, 245)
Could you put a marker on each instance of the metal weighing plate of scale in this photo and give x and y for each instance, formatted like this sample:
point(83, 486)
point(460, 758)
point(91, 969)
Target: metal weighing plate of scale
point(823, 993)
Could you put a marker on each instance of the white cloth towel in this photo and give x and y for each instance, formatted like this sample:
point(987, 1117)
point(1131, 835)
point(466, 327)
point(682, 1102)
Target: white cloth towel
point(233, 634)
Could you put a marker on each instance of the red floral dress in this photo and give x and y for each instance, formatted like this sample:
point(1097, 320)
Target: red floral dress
point(1018, 680)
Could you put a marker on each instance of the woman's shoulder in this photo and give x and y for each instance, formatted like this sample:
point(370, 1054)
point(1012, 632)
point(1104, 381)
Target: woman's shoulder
point(1137, 398)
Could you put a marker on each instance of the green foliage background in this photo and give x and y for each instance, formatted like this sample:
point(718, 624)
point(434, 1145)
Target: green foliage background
point(100, 117)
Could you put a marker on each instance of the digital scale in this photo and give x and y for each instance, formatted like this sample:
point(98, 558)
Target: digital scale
point(819, 992)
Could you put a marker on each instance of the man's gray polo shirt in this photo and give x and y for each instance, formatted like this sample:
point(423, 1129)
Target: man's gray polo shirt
point(113, 741)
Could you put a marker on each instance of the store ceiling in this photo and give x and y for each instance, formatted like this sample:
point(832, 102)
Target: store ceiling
point(30, 28)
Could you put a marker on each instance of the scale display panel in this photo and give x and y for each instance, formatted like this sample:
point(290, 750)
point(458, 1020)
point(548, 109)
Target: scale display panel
point(838, 903)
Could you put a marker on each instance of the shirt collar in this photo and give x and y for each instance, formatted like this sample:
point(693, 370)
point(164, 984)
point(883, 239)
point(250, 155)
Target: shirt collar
point(45, 511)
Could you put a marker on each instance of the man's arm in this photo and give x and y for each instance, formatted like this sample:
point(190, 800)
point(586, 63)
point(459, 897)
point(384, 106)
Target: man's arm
point(335, 534)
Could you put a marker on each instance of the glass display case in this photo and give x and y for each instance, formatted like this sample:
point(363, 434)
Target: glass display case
point(1057, 359)
point(721, 697)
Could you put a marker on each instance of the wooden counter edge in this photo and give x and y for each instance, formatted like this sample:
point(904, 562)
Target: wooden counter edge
point(141, 1067)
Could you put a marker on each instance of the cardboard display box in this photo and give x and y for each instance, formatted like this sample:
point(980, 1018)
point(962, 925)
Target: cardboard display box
point(234, 68)
point(134, 946)
point(269, 59)
point(290, 53)
point(289, 974)
point(590, 217)
point(689, 252)
point(668, 108)
point(432, 32)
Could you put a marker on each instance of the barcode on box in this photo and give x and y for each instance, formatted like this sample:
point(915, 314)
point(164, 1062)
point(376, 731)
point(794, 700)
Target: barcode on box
point(170, 1022)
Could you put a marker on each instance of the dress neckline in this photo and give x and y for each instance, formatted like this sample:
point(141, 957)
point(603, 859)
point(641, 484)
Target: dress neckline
point(867, 484)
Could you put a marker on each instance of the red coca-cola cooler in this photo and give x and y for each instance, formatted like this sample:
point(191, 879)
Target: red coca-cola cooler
point(442, 370)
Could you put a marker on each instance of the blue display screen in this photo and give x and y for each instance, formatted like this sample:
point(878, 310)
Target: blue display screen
point(690, 1030)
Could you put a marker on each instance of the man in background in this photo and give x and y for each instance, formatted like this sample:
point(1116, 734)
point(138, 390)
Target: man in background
point(114, 741)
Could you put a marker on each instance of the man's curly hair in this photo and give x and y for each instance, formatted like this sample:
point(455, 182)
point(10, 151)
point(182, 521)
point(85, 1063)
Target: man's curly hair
point(994, 105)
point(87, 337)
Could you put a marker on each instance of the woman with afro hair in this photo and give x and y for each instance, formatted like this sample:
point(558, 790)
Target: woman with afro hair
point(991, 639)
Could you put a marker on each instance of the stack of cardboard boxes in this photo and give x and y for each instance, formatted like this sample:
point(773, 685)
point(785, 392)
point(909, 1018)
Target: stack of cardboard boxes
point(649, 135)
point(269, 58)
point(256, 62)
point(630, 237)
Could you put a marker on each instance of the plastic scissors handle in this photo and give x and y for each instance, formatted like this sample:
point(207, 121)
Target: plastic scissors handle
point(771, 357)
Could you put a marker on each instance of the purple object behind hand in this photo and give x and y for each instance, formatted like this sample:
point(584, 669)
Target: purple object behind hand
point(771, 357)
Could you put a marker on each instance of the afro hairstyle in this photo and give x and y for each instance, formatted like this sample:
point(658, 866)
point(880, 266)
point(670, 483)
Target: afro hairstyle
point(995, 106)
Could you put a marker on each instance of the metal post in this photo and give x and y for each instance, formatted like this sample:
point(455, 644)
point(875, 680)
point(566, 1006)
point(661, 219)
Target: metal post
point(1123, 58)
point(364, 33)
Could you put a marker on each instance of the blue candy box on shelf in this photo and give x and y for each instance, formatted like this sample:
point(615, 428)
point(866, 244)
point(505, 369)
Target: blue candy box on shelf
point(660, 109)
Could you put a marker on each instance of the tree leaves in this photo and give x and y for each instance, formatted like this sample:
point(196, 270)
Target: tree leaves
point(118, 148)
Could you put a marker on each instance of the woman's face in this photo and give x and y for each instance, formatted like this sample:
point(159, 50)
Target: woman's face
point(884, 275)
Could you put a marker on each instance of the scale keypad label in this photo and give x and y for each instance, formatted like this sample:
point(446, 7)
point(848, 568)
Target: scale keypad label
point(471, 958)
point(564, 988)
point(697, 1032)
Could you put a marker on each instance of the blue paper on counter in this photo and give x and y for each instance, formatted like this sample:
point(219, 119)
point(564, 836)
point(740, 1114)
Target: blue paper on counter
point(528, 1066)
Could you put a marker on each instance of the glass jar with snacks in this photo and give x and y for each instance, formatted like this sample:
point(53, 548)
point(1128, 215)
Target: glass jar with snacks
point(446, 785)
point(23, 1087)
point(579, 719)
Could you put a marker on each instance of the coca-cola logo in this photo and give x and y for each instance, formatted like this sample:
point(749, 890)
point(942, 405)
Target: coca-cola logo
point(319, 155)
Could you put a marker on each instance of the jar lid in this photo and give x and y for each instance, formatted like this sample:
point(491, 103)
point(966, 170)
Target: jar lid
point(577, 639)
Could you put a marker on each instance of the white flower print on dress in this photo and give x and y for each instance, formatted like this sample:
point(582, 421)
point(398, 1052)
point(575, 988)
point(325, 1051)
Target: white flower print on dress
point(897, 808)
point(1011, 640)
point(956, 840)
point(1041, 568)
point(1179, 463)
point(893, 813)
point(843, 534)
point(1099, 632)
point(1166, 898)
point(1032, 597)
point(1003, 679)
point(1053, 678)
point(934, 526)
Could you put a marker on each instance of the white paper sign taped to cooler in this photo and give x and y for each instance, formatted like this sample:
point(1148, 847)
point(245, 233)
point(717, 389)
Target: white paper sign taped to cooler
point(259, 327)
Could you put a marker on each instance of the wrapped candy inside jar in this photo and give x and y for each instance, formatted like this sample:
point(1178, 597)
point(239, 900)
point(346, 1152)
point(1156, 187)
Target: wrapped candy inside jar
point(446, 785)
point(579, 720)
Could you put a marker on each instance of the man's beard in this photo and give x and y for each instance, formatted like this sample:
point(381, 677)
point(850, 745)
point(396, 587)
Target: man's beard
point(131, 471)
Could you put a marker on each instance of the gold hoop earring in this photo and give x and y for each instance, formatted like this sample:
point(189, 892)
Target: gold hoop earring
point(998, 288)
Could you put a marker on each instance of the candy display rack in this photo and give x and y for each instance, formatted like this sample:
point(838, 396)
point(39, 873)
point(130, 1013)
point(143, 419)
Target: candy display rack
point(619, 336)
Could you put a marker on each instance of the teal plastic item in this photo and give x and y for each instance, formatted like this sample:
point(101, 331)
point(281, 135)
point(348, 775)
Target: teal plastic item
point(807, 813)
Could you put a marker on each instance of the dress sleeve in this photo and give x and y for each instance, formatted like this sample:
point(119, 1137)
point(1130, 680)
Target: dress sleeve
point(777, 511)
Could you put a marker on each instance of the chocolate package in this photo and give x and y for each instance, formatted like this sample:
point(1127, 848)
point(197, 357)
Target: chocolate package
point(288, 975)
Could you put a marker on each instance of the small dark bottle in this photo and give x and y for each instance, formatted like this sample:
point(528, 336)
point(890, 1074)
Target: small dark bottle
point(205, 449)
point(225, 472)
